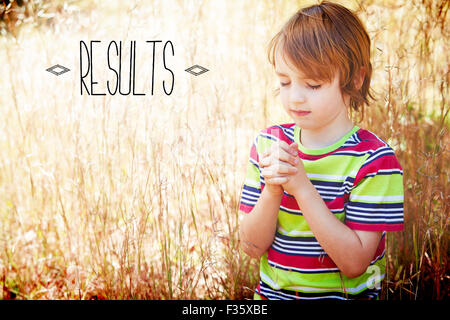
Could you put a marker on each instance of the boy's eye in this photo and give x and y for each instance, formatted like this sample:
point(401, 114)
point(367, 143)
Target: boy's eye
point(314, 87)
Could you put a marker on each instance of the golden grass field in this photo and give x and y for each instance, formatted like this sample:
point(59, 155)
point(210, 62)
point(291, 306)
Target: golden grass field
point(136, 197)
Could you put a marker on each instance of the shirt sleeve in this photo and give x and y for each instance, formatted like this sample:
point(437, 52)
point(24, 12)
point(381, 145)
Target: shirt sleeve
point(376, 200)
point(251, 189)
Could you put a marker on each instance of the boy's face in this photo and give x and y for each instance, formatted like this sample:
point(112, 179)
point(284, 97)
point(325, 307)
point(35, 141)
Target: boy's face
point(313, 105)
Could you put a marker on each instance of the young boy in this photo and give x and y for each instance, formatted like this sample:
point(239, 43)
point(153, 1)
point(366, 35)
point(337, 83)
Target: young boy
point(320, 192)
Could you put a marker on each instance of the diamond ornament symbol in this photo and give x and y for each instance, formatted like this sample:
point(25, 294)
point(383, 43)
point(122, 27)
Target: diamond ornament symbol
point(196, 70)
point(58, 69)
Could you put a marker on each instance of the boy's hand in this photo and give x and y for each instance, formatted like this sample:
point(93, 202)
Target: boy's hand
point(298, 179)
point(278, 164)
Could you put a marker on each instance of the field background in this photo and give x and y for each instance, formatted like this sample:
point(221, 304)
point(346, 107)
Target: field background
point(137, 197)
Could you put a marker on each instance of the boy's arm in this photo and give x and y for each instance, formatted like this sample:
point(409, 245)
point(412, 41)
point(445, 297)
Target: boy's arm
point(257, 228)
point(351, 250)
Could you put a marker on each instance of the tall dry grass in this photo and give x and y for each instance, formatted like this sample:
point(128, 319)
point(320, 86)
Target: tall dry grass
point(412, 72)
point(137, 197)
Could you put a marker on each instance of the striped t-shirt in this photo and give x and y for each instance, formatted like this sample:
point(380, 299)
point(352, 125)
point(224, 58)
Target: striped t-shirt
point(361, 182)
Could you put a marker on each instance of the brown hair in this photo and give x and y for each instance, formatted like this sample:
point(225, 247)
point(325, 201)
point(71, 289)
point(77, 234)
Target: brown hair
point(325, 39)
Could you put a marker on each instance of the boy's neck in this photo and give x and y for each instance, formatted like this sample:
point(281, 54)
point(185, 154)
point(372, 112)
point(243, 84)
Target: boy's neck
point(326, 136)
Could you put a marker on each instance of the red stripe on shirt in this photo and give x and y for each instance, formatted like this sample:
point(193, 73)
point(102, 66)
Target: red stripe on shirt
point(245, 208)
point(381, 247)
point(302, 262)
point(373, 141)
point(291, 203)
point(254, 154)
point(374, 226)
point(384, 162)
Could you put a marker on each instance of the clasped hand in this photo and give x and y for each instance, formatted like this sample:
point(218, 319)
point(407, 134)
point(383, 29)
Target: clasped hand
point(282, 168)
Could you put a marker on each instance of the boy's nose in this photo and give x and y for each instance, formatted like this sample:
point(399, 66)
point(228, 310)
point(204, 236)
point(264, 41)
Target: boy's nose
point(297, 96)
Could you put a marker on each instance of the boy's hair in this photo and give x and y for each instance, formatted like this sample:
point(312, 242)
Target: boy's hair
point(324, 40)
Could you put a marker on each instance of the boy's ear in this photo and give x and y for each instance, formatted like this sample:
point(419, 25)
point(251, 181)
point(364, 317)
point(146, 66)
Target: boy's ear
point(358, 80)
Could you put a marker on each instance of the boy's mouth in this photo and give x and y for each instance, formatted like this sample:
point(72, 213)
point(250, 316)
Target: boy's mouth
point(301, 113)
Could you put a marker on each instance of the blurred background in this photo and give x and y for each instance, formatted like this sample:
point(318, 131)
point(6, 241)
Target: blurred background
point(136, 197)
